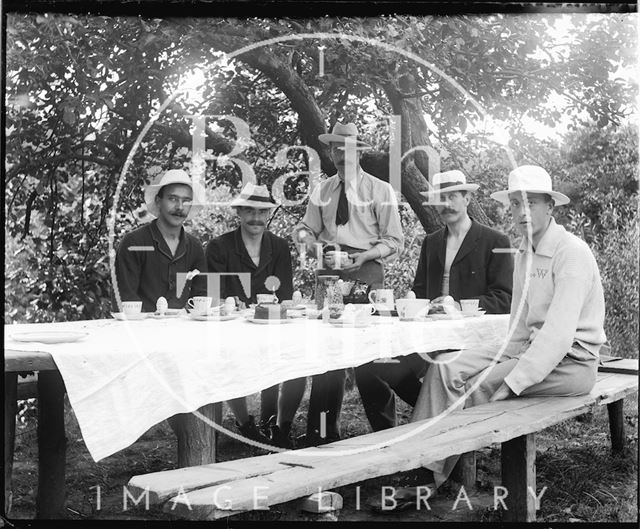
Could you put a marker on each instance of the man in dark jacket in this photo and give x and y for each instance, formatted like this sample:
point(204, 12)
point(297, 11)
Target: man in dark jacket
point(251, 248)
point(150, 257)
point(458, 261)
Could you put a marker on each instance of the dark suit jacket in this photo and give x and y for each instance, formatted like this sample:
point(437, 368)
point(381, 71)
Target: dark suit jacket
point(147, 275)
point(228, 253)
point(476, 272)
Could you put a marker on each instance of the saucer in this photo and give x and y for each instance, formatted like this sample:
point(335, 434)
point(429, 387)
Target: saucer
point(212, 317)
point(169, 313)
point(48, 336)
point(130, 317)
point(268, 322)
point(473, 314)
point(354, 325)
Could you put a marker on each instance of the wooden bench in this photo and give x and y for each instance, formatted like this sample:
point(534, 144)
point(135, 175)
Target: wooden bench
point(223, 489)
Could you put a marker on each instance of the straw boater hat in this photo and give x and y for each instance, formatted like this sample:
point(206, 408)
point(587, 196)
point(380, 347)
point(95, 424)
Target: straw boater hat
point(254, 196)
point(341, 133)
point(532, 179)
point(173, 176)
point(449, 181)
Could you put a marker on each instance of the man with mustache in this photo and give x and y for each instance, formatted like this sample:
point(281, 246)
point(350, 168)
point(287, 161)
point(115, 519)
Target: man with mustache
point(149, 258)
point(357, 213)
point(458, 261)
point(557, 316)
point(251, 248)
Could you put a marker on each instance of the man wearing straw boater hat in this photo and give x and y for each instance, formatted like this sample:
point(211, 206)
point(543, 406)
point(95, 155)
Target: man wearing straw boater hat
point(457, 260)
point(357, 213)
point(251, 248)
point(557, 313)
point(149, 258)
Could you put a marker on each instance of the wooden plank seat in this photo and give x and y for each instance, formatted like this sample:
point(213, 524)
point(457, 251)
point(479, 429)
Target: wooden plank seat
point(223, 489)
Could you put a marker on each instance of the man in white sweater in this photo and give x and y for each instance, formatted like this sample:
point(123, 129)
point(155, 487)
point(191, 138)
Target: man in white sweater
point(557, 317)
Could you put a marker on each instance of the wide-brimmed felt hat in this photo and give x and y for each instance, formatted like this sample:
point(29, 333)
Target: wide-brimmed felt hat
point(174, 176)
point(449, 181)
point(341, 133)
point(254, 196)
point(532, 179)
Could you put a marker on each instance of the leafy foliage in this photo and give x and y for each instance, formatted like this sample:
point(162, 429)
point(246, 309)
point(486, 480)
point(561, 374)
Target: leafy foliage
point(81, 89)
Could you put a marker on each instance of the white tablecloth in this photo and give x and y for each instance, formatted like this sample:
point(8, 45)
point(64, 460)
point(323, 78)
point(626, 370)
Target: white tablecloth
point(127, 376)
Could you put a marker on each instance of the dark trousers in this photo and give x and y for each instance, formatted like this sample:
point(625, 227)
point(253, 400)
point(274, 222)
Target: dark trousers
point(377, 383)
point(327, 391)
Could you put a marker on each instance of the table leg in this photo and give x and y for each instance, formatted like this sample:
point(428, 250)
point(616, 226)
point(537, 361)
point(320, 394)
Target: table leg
point(616, 425)
point(196, 439)
point(519, 478)
point(52, 446)
point(10, 408)
point(465, 471)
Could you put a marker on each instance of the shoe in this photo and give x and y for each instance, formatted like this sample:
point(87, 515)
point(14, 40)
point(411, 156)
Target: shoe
point(281, 437)
point(313, 439)
point(251, 431)
point(265, 425)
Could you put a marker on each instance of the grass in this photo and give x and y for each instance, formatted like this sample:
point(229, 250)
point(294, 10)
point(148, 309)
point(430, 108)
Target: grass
point(584, 481)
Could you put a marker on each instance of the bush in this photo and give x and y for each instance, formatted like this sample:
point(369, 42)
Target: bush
point(617, 256)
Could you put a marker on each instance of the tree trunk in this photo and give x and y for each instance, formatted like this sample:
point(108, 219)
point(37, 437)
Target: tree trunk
point(416, 134)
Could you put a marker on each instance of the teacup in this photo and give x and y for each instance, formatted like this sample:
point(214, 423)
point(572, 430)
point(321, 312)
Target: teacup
point(409, 309)
point(266, 298)
point(358, 313)
point(382, 299)
point(132, 307)
point(199, 304)
point(338, 259)
point(469, 305)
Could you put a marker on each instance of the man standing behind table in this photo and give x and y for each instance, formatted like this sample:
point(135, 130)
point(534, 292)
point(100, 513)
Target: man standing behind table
point(359, 213)
point(457, 260)
point(149, 258)
point(251, 248)
point(557, 313)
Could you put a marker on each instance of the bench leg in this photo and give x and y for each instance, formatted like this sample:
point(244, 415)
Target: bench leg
point(519, 478)
point(465, 470)
point(616, 425)
point(196, 439)
point(10, 408)
point(52, 446)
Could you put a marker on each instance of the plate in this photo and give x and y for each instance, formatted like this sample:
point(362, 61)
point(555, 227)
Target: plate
point(130, 317)
point(268, 322)
point(353, 325)
point(474, 314)
point(169, 313)
point(212, 317)
point(436, 317)
point(49, 336)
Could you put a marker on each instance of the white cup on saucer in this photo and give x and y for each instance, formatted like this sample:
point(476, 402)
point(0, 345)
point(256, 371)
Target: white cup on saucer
point(382, 299)
point(469, 305)
point(199, 304)
point(132, 308)
point(409, 309)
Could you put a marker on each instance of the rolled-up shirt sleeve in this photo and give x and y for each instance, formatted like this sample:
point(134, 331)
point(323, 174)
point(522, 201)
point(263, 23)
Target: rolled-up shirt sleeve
point(388, 216)
point(312, 219)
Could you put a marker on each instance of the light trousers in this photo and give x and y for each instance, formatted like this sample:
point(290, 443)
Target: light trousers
point(453, 374)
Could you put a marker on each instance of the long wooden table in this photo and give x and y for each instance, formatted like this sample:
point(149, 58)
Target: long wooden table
point(196, 440)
